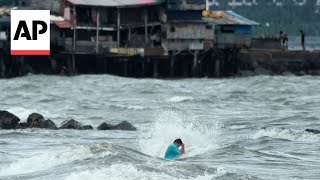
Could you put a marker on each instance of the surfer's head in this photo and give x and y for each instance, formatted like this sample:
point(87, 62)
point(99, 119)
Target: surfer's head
point(178, 142)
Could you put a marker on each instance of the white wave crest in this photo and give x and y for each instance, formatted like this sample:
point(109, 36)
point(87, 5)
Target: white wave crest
point(48, 160)
point(236, 127)
point(180, 98)
point(288, 134)
point(131, 107)
point(128, 172)
point(23, 113)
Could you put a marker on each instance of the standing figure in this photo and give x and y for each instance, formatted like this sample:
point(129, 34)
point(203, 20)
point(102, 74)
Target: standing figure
point(284, 40)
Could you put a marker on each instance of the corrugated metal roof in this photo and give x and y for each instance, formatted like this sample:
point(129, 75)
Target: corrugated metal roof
point(64, 24)
point(115, 3)
point(231, 18)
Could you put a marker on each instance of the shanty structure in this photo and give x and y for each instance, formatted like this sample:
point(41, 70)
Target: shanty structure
point(231, 29)
point(101, 26)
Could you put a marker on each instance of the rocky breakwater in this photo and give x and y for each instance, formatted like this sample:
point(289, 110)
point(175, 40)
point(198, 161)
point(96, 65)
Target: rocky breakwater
point(35, 120)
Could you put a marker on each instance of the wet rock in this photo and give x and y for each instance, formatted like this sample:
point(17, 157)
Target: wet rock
point(34, 120)
point(125, 126)
point(86, 127)
point(262, 71)
point(48, 124)
point(22, 125)
point(287, 73)
point(246, 73)
point(71, 124)
point(8, 120)
point(314, 131)
point(105, 126)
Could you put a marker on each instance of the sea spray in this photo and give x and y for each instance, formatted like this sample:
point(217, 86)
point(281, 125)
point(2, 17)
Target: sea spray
point(172, 123)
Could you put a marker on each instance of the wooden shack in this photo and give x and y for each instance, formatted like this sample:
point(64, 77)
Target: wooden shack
point(232, 29)
point(100, 26)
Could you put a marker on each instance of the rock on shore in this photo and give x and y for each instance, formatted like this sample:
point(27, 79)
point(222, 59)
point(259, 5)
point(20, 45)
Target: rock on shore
point(8, 120)
point(73, 124)
point(124, 125)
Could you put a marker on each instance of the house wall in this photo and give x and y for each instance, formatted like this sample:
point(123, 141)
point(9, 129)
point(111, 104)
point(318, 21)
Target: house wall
point(196, 31)
point(233, 36)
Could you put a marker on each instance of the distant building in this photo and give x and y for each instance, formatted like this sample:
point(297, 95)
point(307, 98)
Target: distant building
point(232, 29)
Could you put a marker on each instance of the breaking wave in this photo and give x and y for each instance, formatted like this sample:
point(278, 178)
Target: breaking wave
point(288, 134)
point(171, 124)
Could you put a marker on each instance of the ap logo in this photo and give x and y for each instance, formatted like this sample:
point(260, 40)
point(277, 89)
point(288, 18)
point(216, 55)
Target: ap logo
point(30, 32)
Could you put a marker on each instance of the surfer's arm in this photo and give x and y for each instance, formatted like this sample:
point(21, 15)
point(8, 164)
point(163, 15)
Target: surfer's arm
point(182, 151)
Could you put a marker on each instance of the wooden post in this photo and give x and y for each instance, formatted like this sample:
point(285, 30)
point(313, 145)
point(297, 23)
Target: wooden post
point(172, 70)
point(105, 65)
point(217, 67)
point(155, 69)
point(146, 26)
point(143, 68)
point(97, 31)
point(195, 63)
point(73, 64)
point(2, 67)
point(73, 71)
point(118, 28)
point(125, 68)
point(129, 34)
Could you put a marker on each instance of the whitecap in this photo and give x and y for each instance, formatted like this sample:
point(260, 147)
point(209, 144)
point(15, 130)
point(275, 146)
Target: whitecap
point(48, 160)
point(288, 134)
point(128, 172)
point(180, 98)
point(23, 113)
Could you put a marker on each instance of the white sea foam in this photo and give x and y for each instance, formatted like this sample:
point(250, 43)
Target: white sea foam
point(169, 125)
point(292, 135)
point(48, 160)
point(131, 107)
point(23, 113)
point(180, 98)
point(128, 172)
point(238, 127)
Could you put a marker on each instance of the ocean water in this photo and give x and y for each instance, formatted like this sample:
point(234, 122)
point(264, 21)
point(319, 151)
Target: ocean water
point(242, 128)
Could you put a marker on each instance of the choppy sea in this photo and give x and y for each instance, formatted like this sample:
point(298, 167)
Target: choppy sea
point(237, 128)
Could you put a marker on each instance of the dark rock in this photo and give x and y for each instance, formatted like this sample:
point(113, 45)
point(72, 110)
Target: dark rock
point(262, 71)
point(300, 73)
point(22, 125)
point(246, 73)
point(48, 124)
point(35, 120)
point(105, 126)
point(71, 124)
point(126, 126)
point(314, 131)
point(87, 127)
point(8, 120)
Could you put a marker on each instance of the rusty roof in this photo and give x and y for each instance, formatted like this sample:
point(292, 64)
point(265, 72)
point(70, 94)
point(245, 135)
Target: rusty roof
point(64, 24)
point(115, 3)
point(231, 18)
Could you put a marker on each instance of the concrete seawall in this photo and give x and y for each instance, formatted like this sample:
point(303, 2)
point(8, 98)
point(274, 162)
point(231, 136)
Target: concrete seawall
point(279, 62)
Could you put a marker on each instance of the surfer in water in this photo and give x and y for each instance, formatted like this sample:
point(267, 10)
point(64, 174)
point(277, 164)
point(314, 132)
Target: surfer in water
point(173, 150)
